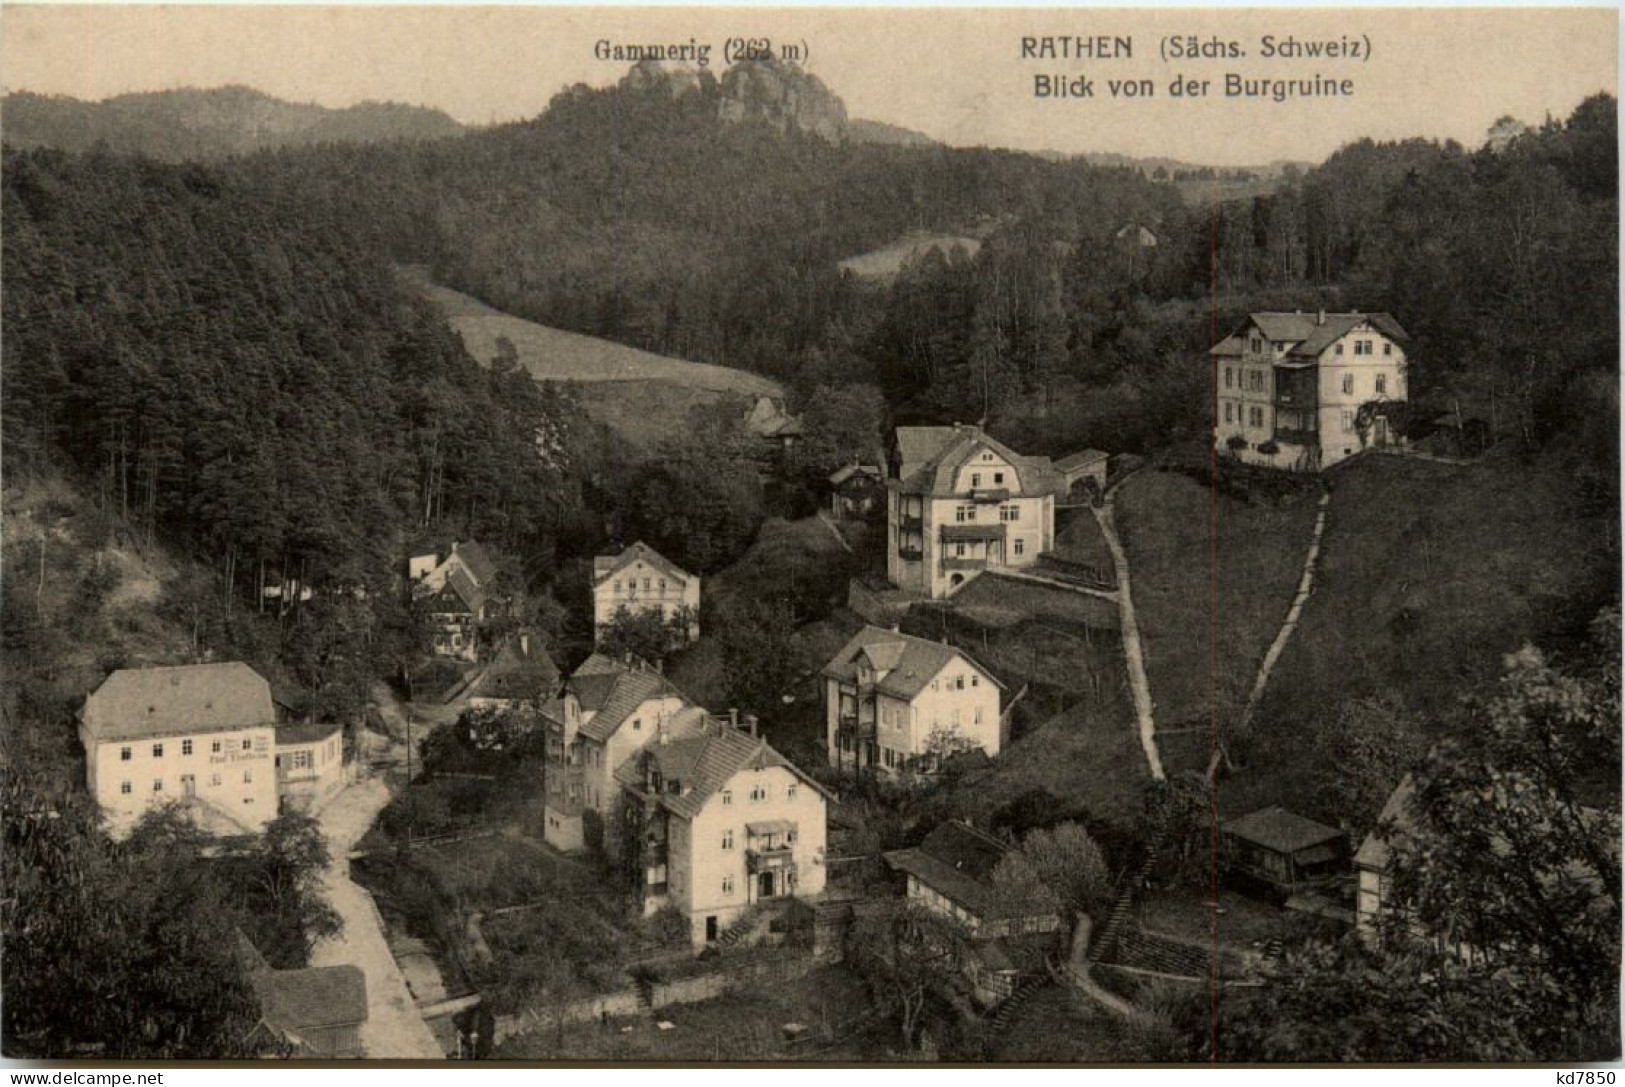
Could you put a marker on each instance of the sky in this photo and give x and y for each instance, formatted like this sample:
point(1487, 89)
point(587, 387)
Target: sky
point(956, 74)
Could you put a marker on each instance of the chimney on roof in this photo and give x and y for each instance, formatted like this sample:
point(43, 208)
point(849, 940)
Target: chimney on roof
point(1320, 318)
point(733, 718)
point(660, 734)
point(524, 644)
point(750, 724)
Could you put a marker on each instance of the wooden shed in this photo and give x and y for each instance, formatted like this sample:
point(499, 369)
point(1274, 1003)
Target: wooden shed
point(1282, 849)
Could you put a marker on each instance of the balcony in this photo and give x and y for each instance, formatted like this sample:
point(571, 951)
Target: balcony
point(990, 494)
point(968, 562)
point(779, 858)
point(1297, 437)
point(911, 522)
point(853, 725)
point(956, 533)
point(910, 554)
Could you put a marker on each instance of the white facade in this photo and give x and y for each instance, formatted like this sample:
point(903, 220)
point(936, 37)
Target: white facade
point(310, 769)
point(958, 708)
point(1307, 404)
point(969, 508)
point(717, 867)
point(232, 771)
point(646, 583)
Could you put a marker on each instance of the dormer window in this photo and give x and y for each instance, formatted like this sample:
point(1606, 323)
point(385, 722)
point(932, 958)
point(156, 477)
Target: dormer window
point(976, 479)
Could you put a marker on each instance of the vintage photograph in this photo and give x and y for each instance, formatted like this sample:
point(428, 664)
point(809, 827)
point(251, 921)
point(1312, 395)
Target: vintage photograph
point(764, 535)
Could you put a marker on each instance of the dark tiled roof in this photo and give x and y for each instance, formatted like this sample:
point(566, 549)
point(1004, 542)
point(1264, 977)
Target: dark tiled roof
point(290, 696)
point(918, 444)
point(956, 861)
point(306, 732)
point(1279, 830)
point(133, 703)
point(703, 761)
point(914, 662)
point(313, 998)
point(954, 446)
point(1309, 333)
point(1080, 458)
point(598, 664)
point(605, 566)
point(867, 472)
point(464, 588)
point(516, 673)
point(629, 691)
point(478, 562)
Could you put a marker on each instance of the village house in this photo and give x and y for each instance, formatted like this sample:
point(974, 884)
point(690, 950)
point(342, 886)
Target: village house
point(777, 428)
point(314, 1012)
point(1306, 390)
point(1376, 901)
point(454, 586)
point(608, 710)
point(893, 701)
point(455, 612)
point(1371, 860)
point(951, 873)
point(959, 503)
point(431, 563)
point(310, 765)
point(640, 579)
point(856, 491)
point(520, 675)
point(724, 825)
point(201, 734)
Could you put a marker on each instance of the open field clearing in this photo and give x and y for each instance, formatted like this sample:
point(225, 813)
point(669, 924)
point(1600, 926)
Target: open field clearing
point(551, 354)
point(888, 260)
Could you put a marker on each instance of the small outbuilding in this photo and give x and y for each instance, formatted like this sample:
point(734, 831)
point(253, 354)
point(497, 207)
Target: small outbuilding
point(856, 491)
point(1282, 849)
point(1086, 464)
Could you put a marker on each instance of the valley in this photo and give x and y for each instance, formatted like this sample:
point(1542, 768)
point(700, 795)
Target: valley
point(626, 583)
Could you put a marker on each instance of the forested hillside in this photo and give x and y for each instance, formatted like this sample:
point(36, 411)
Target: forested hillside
point(635, 213)
point(222, 372)
point(201, 125)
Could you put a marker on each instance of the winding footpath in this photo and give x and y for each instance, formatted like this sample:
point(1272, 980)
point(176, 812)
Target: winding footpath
point(1133, 653)
point(1306, 585)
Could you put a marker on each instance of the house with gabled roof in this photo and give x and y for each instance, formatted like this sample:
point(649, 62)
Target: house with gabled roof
point(640, 579)
point(200, 734)
point(315, 1012)
point(856, 491)
point(893, 702)
point(521, 674)
point(607, 711)
point(960, 502)
point(1281, 849)
point(431, 562)
point(721, 824)
point(1304, 391)
point(455, 612)
point(951, 873)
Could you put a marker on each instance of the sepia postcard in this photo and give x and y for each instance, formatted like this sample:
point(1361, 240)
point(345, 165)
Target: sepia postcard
point(752, 535)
